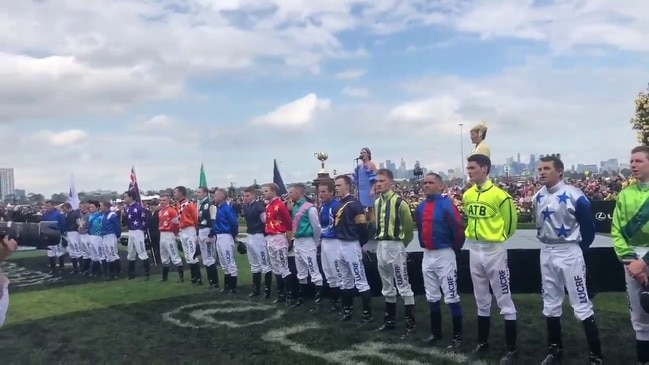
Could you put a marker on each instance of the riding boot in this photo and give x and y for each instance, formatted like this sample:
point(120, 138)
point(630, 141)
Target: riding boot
point(147, 269)
point(410, 319)
point(181, 274)
point(52, 261)
point(389, 317)
point(226, 283)
point(131, 270)
point(233, 284)
point(299, 294)
point(317, 299)
point(104, 267)
point(211, 277)
point(268, 282)
point(281, 289)
point(199, 275)
point(347, 301)
point(334, 296)
point(165, 273)
point(256, 284)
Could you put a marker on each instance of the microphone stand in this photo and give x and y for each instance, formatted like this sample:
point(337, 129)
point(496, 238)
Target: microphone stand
point(356, 178)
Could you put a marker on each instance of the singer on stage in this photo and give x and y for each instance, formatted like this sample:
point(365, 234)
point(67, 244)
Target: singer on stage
point(365, 181)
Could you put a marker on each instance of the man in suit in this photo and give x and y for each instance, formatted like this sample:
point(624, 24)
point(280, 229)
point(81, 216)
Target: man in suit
point(153, 222)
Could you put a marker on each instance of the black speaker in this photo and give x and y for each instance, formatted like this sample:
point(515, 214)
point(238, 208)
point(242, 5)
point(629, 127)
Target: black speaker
point(38, 235)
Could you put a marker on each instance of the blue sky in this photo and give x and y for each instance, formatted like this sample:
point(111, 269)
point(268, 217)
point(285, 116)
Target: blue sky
point(234, 84)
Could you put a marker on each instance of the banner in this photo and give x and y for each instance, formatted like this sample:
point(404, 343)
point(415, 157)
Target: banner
point(602, 214)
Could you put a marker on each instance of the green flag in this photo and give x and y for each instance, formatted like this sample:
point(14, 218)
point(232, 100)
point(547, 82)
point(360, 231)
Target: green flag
point(202, 181)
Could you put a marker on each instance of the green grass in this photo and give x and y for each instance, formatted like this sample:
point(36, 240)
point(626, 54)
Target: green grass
point(80, 321)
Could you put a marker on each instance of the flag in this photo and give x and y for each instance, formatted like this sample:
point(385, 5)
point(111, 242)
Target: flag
point(132, 185)
point(277, 179)
point(73, 196)
point(202, 180)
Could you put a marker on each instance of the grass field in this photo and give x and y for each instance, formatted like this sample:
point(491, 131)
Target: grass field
point(76, 320)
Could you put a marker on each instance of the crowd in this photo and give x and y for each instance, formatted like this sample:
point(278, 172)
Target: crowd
point(596, 188)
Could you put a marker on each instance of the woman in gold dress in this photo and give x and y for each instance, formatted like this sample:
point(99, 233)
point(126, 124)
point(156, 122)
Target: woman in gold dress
point(478, 135)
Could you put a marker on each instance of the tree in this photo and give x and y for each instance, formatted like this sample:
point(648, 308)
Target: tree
point(35, 199)
point(59, 198)
point(640, 121)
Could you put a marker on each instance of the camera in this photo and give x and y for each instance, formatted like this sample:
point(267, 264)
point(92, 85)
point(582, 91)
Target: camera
point(37, 235)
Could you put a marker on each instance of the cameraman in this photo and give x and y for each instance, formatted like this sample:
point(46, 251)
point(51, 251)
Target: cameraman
point(52, 214)
point(7, 247)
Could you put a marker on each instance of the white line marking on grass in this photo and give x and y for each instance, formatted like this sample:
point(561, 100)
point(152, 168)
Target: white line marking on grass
point(21, 277)
point(190, 316)
point(386, 352)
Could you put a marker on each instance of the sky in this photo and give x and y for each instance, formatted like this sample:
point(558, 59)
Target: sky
point(94, 87)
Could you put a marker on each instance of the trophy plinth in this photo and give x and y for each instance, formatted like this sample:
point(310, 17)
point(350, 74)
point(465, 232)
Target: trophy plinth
point(323, 175)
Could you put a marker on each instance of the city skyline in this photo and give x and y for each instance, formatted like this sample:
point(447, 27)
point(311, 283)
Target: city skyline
point(403, 171)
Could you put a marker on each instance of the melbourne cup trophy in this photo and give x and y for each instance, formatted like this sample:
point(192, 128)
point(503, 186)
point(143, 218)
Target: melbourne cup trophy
point(323, 175)
point(322, 157)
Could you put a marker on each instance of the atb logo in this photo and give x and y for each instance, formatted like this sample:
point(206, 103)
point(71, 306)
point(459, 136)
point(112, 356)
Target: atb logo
point(601, 216)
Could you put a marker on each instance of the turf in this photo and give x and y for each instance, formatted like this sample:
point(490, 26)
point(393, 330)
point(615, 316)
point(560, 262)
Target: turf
point(75, 320)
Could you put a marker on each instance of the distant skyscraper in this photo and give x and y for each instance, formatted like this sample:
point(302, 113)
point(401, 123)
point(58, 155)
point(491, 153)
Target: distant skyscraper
point(6, 182)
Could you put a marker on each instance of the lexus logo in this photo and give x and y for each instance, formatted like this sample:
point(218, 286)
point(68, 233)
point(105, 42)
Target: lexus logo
point(600, 216)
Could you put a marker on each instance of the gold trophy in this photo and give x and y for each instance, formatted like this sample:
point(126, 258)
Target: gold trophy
point(322, 157)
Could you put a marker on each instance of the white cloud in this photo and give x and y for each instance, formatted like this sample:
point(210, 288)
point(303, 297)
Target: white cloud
point(356, 92)
point(562, 24)
point(440, 111)
point(353, 74)
point(300, 112)
point(160, 121)
point(64, 138)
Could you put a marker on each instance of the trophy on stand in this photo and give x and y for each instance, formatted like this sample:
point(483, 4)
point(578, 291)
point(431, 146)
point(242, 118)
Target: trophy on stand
point(323, 175)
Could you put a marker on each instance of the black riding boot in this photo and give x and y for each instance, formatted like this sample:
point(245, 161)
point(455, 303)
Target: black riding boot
point(281, 289)
point(268, 282)
point(52, 261)
point(131, 270)
point(317, 299)
point(197, 277)
point(347, 301)
point(181, 273)
point(334, 296)
point(410, 320)
point(165, 273)
point(212, 277)
point(233, 284)
point(299, 291)
point(256, 284)
point(389, 317)
point(147, 269)
point(104, 267)
point(226, 283)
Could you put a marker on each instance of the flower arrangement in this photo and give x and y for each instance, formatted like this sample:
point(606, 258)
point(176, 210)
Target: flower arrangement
point(640, 121)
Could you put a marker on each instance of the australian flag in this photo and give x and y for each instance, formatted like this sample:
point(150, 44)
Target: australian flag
point(277, 179)
point(132, 185)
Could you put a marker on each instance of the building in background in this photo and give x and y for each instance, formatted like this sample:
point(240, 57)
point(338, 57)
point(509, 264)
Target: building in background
point(6, 182)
